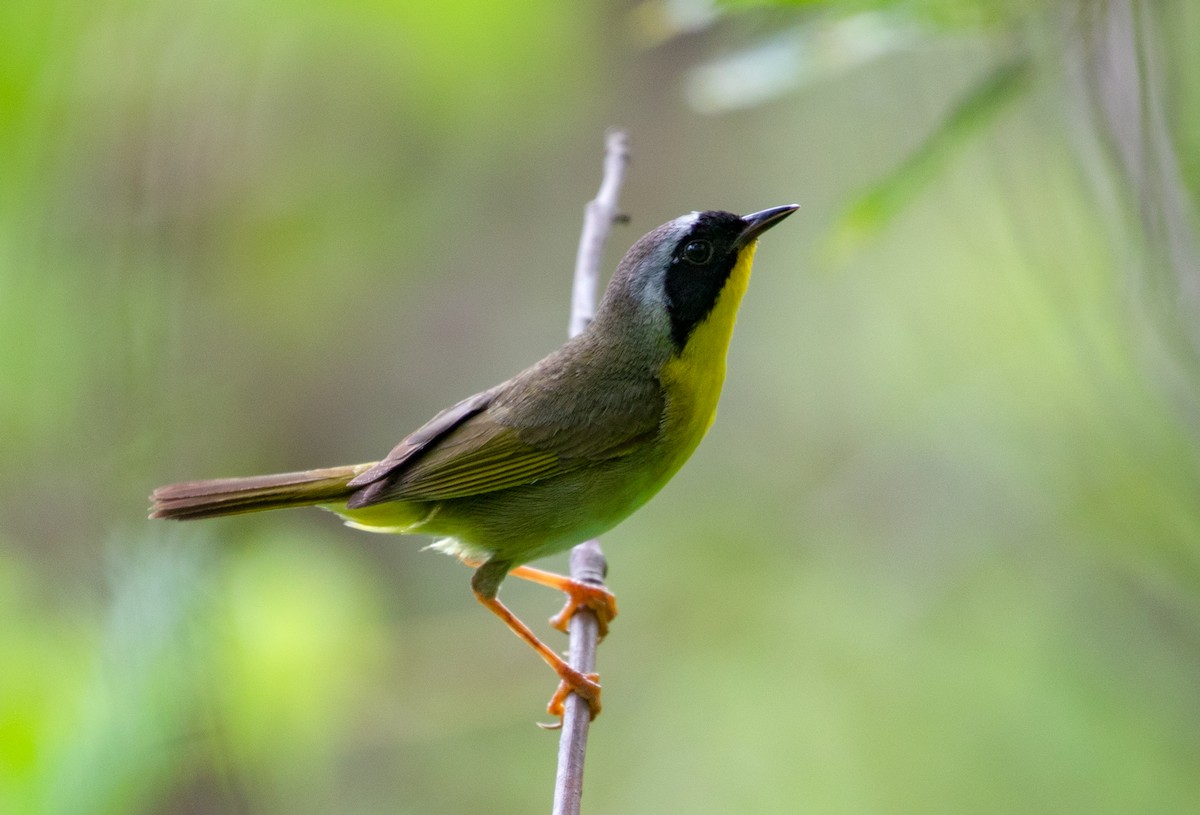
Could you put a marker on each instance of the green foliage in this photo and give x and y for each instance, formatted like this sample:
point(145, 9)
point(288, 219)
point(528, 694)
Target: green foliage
point(974, 111)
point(938, 554)
point(954, 15)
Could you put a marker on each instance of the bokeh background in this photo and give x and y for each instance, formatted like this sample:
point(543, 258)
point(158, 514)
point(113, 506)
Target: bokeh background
point(939, 554)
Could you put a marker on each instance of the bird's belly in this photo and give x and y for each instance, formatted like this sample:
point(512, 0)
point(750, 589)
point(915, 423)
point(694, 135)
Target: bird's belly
point(534, 520)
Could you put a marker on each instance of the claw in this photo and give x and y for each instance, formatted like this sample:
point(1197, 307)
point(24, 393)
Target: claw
point(587, 686)
point(579, 595)
point(600, 600)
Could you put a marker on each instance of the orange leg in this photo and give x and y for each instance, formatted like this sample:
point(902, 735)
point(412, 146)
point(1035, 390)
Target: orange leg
point(486, 583)
point(579, 595)
point(573, 681)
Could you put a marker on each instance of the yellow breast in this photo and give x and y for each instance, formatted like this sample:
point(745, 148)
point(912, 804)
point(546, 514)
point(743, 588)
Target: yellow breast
point(692, 379)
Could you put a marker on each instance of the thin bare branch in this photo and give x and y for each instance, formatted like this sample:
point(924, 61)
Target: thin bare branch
point(587, 560)
point(598, 217)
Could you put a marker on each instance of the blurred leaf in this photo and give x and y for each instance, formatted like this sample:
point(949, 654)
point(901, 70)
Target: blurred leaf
point(297, 646)
point(979, 107)
point(92, 712)
point(948, 14)
point(800, 56)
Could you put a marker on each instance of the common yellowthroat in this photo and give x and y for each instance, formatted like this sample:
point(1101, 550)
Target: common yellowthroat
point(561, 452)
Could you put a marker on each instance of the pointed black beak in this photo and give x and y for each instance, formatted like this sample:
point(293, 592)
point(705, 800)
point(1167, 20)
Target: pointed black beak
point(757, 223)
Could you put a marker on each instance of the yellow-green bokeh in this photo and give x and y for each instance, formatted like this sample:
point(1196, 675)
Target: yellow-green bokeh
point(940, 553)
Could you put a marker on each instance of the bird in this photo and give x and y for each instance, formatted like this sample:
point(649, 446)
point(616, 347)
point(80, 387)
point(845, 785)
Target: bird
point(561, 452)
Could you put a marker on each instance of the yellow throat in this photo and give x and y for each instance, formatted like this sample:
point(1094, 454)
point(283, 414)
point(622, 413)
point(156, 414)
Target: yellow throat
point(693, 378)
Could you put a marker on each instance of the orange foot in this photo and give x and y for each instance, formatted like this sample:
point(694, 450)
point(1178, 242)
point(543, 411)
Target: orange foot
point(573, 681)
point(600, 600)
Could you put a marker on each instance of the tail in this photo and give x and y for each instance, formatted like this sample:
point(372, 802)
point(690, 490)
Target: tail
point(232, 496)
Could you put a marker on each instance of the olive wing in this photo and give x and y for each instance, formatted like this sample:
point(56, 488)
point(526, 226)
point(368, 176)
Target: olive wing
point(510, 436)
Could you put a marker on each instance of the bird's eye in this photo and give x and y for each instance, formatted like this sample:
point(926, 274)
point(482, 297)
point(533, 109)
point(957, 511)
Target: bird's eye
point(698, 252)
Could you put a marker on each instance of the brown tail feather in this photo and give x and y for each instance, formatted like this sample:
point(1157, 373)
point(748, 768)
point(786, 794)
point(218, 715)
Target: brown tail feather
point(231, 496)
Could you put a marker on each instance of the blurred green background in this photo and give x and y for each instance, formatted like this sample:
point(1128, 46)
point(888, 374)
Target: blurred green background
point(939, 554)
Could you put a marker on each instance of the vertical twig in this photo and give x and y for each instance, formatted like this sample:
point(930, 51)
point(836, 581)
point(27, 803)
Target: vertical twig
point(598, 217)
point(1116, 70)
point(587, 561)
